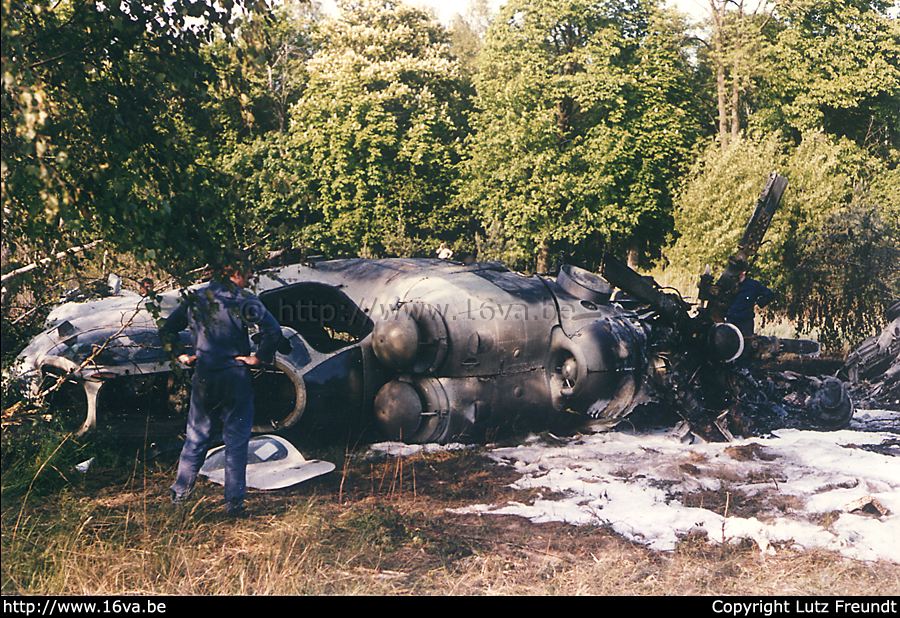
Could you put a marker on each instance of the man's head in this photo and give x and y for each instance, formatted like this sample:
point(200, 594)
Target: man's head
point(236, 267)
point(146, 286)
point(742, 267)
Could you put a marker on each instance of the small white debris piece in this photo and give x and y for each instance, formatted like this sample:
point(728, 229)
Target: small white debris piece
point(868, 505)
point(84, 466)
point(272, 463)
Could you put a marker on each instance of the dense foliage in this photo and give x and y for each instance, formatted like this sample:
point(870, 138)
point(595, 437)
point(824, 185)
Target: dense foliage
point(832, 252)
point(101, 105)
point(366, 163)
point(833, 66)
point(583, 125)
point(172, 129)
point(809, 89)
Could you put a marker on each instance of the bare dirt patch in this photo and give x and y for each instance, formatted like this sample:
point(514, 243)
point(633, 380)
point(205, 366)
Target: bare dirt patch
point(750, 452)
point(510, 554)
point(382, 526)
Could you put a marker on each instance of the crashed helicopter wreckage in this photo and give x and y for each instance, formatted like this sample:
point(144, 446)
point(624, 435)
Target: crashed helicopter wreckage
point(874, 366)
point(692, 353)
point(438, 351)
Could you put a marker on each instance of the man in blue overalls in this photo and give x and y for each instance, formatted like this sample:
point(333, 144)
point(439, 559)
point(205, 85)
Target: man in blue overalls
point(218, 315)
point(750, 293)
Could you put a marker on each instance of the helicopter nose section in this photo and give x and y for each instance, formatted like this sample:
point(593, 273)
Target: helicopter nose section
point(598, 369)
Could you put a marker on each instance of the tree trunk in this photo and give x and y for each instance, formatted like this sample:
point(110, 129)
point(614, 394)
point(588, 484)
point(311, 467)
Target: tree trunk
point(633, 255)
point(736, 93)
point(544, 258)
point(718, 20)
point(736, 73)
point(47, 260)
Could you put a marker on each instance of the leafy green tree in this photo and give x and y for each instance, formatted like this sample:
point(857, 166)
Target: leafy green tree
point(584, 122)
point(367, 164)
point(834, 66)
point(720, 194)
point(717, 200)
point(262, 70)
point(808, 65)
point(844, 272)
point(736, 34)
point(100, 105)
point(819, 80)
point(104, 133)
point(467, 34)
point(831, 249)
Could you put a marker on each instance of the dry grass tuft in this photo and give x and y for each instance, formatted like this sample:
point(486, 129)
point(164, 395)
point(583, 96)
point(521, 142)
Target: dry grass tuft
point(377, 528)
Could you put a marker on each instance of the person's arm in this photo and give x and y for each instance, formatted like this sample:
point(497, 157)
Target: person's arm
point(765, 295)
point(256, 313)
point(168, 334)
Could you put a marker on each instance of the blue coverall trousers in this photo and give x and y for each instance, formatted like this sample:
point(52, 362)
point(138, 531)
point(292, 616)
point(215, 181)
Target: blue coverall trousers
point(227, 394)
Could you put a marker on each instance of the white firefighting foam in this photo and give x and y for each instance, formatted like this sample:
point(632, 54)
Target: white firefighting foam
point(834, 490)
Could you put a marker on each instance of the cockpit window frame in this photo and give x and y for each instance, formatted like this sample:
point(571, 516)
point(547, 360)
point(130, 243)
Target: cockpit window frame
point(323, 315)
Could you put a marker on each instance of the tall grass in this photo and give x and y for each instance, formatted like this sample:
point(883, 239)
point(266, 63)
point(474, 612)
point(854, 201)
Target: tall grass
point(374, 527)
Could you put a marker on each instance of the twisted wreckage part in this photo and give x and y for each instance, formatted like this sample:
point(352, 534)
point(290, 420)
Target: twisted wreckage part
point(434, 351)
point(874, 367)
point(702, 364)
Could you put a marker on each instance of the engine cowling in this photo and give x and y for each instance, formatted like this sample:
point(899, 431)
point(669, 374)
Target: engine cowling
point(412, 338)
point(414, 412)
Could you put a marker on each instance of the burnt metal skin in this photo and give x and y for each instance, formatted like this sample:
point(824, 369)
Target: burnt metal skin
point(878, 355)
point(434, 350)
point(457, 350)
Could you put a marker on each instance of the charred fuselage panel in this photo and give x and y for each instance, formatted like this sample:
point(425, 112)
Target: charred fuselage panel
point(459, 349)
point(434, 350)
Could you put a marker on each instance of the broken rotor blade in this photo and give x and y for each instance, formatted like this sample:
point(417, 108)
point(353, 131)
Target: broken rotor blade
point(642, 289)
point(762, 215)
point(720, 295)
